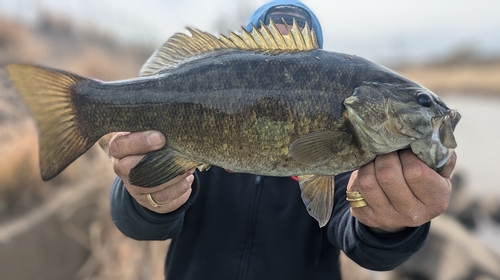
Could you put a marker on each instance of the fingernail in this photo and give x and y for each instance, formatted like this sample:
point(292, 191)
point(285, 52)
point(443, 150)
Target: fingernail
point(155, 139)
point(121, 134)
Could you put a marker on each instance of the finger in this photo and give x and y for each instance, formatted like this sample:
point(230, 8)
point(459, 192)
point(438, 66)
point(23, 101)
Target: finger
point(429, 187)
point(369, 188)
point(135, 143)
point(123, 166)
point(379, 214)
point(104, 141)
point(365, 214)
point(352, 183)
point(352, 186)
point(171, 198)
point(139, 191)
point(177, 203)
point(421, 178)
point(389, 174)
point(171, 193)
point(449, 166)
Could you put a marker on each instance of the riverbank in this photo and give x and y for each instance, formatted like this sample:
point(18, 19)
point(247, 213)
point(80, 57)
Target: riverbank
point(466, 78)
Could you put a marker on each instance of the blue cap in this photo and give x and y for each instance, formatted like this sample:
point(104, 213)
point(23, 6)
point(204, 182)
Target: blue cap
point(260, 14)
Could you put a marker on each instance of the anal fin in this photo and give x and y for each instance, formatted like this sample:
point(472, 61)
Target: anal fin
point(317, 195)
point(159, 167)
point(204, 166)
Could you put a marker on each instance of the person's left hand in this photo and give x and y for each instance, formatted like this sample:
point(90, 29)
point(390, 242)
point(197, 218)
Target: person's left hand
point(401, 191)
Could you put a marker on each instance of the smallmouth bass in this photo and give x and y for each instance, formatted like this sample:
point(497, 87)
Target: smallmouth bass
point(258, 102)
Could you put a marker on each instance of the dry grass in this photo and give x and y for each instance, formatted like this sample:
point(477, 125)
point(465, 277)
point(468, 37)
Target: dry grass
point(480, 78)
point(14, 41)
point(112, 255)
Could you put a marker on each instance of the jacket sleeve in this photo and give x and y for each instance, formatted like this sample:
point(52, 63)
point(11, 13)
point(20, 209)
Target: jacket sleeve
point(368, 249)
point(140, 223)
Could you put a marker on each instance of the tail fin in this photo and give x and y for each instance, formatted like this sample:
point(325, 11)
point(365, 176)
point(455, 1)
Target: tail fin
point(47, 93)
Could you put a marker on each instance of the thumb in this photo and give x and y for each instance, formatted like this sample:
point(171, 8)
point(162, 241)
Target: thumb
point(352, 185)
point(449, 166)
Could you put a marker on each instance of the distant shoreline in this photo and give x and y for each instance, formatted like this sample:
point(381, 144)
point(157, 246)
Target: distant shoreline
point(55, 42)
point(460, 78)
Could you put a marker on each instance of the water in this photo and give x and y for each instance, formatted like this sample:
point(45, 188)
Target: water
point(478, 137)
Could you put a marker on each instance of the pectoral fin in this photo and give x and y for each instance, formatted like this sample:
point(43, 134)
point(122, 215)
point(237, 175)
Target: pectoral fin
point(159, 167)
point(318, 147)
point(317, 195)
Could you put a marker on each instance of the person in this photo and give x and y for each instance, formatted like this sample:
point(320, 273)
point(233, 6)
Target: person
point(226, 225)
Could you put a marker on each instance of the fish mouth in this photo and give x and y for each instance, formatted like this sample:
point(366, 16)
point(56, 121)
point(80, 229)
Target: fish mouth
point(455, 118)
point(445, 128)
point(437, 149)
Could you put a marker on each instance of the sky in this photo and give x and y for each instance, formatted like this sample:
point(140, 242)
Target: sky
point(383, 31)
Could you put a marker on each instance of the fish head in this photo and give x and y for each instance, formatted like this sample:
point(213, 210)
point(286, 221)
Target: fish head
point(388, 117)
point(436, 149)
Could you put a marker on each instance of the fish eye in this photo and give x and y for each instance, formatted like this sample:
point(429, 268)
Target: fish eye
point(424, 99)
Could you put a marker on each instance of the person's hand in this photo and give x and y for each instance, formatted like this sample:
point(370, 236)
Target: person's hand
point(401, 191)
point(128, 149)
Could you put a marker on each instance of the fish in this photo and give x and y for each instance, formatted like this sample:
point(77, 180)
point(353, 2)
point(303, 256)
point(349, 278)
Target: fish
point(255, 102)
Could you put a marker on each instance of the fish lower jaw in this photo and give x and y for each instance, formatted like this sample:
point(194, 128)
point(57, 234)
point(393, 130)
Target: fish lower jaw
point(436, 149)
point(434, 154)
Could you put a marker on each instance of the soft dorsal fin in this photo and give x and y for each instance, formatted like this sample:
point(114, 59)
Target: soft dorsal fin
point(181, 47)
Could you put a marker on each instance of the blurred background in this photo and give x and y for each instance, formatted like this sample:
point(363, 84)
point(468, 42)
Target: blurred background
point(62, 229)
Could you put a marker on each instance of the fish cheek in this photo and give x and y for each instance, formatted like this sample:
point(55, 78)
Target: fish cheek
point(367, 106)
point(410, 120)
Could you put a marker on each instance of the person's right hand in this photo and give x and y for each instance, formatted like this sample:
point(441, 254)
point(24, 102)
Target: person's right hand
point(128, 149)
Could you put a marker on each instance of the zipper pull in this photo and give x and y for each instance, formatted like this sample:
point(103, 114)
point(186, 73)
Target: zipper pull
point(258, 179)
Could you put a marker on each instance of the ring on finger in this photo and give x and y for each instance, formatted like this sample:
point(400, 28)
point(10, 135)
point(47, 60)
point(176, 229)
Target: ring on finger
point(355, 199)
point(153, 202)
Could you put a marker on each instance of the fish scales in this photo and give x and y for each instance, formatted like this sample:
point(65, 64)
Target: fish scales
point(235, 103)
point(265, 108)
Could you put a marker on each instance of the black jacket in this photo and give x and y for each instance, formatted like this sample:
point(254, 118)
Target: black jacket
point(242, 226)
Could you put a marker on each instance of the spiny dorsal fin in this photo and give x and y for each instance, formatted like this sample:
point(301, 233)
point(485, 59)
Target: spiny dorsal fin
point(181, 47)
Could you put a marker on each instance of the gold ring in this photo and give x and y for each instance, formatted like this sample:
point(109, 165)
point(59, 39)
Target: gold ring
point(355, 199)
point(151, 200)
